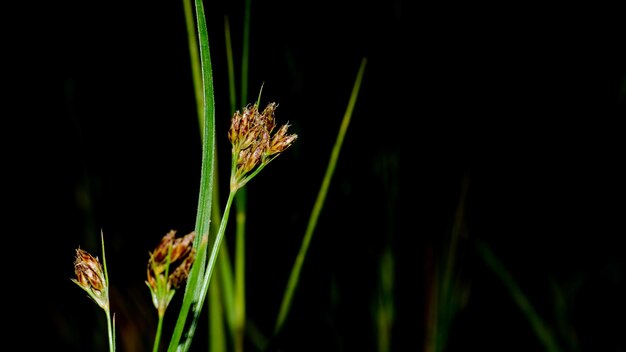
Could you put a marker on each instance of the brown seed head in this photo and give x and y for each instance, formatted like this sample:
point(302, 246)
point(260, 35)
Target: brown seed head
point(179, 276)
point(90, 277)
point(281, 141)
point(181, 257)
point(253, 142)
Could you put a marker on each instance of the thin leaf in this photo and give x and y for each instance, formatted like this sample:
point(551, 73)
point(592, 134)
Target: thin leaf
point(541, 329)
point(319, 203)
point(194, 284)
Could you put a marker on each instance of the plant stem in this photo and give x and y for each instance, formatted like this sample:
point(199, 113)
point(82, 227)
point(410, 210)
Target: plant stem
point(196, 70)
point(209, 270)
point(541, 329)
point(240, 271)
point(245, 52)
point(157, 338)
point(110, 323)
point(111, 331)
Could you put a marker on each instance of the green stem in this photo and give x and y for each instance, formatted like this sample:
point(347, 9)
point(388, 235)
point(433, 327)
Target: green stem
point(111, 331)
point(216, 325)
point(245, 52)
point(541, 329)
point(157, 338)
point(196, 71)
point(205, 198)
point(240, 271)
point(231, 66)
point(210, 266)
point(110, 323)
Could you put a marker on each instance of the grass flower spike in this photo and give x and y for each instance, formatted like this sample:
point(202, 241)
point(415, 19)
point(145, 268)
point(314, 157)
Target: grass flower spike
point(90, 277)
point(93, 278)
point(254, 145)
point(161, 281)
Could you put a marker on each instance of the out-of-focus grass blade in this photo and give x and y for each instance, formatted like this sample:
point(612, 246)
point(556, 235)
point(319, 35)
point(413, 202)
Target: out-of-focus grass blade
point(540, 328)
point(319, 203)
point(239, 313)
point(217, 337)
point(231, 66)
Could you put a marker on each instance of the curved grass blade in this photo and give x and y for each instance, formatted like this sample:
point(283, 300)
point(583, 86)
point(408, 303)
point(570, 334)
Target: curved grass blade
point(194, 283)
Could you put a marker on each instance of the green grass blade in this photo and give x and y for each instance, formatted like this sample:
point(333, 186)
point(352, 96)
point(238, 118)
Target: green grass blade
point(241, 203)
point(226, 281)
point(202, 291)
point(245, 54)
point(196, 71)
point(217, 336)
point(231, 66)
point(385, 302)
point(187, 303)
point(110, 323)
point(240, 269)
point(541, 329)
point(319, 203)
point(224, 259)
point(217, 300)
point(448, 300)
point(194, 284)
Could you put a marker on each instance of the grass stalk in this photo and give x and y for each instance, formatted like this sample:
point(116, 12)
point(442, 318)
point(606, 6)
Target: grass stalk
point(319, 203)
point(110, 322)
point(196, 70)
point(245, 53)
point(384, 316)
point(217, 341)
point(157, 337)
point(240, 270)
point(541, 329)
point(209, 271)
point(227, 270)
point(385, 303)
point(231, 66)
point(242, 195)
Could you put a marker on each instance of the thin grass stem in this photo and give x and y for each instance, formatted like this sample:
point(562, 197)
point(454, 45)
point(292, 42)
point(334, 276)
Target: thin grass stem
point(110, 323)
point(157, 337)
point(541, 329)
point(241, 202)
point(240, 270)
point(245, 54)
point(209, 271)
point(196, 70)
point(231, 66)
point(217, 341)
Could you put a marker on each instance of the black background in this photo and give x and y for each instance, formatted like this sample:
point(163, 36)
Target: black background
point(526, 103)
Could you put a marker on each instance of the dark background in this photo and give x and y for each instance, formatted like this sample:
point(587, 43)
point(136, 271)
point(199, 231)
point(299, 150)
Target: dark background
point(526, 103)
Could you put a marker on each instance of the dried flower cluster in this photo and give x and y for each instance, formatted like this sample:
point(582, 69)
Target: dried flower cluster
point(162, 282)
point(253, 142)
point(91, 278)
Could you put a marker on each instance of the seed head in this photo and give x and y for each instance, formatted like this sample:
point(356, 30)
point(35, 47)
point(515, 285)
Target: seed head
point(171, 253)
point(91, 278)
point(253, 144)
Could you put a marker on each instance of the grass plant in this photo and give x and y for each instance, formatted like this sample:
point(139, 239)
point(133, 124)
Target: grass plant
point(256, 141)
